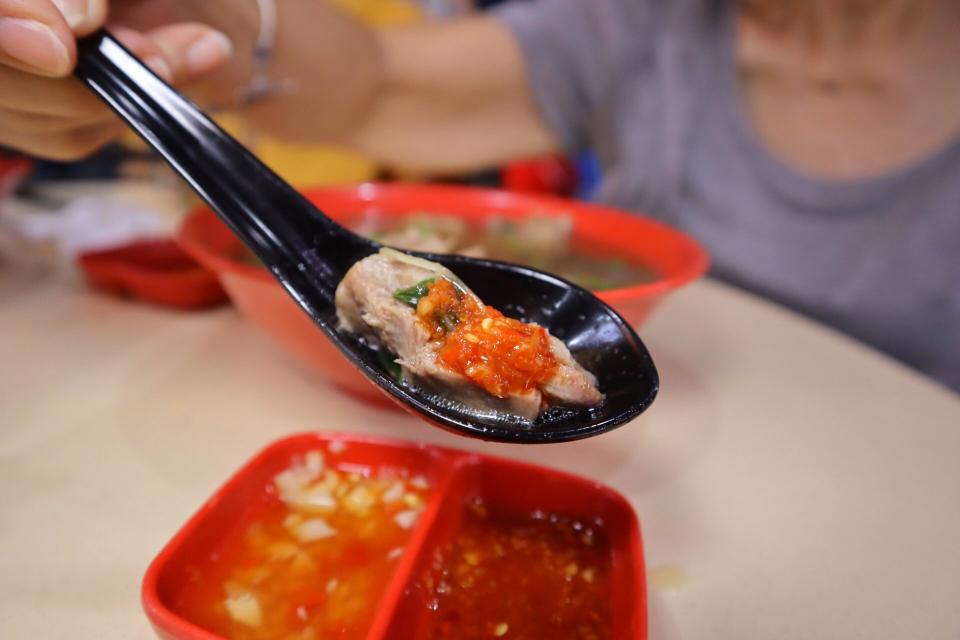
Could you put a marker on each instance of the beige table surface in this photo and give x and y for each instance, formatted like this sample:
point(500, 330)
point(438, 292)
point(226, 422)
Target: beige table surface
point(790, 483)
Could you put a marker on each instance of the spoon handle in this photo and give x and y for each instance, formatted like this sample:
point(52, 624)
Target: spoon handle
point(267, 214)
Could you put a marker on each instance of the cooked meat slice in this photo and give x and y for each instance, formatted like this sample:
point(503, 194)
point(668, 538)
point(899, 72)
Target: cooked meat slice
point(366, 306)
point(430, 233)
point(426, 373)
point(571, 383)
point(422, 336)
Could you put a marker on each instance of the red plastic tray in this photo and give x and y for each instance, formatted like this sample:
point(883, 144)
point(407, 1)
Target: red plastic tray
point(455, 477)
point(157, 271)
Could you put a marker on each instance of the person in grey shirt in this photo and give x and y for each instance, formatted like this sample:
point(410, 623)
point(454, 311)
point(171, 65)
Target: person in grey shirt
point(812, 145)
point(662, 92)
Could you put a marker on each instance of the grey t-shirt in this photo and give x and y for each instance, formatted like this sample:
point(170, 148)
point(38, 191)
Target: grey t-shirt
point(652, 88)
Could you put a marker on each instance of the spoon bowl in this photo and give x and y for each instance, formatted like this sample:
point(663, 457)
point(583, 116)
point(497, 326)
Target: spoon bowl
point(309, 254)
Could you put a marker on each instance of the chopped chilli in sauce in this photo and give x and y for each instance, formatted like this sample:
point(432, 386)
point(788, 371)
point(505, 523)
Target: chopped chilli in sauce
point(502, 355)
point(518, 577)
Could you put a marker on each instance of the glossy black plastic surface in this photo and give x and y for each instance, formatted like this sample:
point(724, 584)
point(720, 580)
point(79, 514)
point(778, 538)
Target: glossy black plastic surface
point(309, 254)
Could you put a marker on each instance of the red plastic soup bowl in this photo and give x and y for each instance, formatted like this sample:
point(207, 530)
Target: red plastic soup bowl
point(676, 258)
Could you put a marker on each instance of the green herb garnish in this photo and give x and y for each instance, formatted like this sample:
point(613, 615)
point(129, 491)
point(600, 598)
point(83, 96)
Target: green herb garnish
point(388, 360)
point(411, 295)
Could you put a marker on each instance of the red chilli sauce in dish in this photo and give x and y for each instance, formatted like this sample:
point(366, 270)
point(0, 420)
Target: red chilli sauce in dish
point(519, 577)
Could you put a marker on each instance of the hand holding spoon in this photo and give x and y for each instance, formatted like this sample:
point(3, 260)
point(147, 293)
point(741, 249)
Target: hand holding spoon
point(309, 254)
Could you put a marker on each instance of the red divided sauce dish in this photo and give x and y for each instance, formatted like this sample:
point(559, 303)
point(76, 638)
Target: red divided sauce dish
point(156, 271)
point(676, 258)
point(328, 535)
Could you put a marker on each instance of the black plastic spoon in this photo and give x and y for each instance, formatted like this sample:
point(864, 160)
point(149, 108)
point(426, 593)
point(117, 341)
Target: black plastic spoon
point(309, 254)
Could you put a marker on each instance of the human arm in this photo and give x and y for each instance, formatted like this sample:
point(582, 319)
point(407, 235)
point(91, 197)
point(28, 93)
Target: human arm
point(434, 97)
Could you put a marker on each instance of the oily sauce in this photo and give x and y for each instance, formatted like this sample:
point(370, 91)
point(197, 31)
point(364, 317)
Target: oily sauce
point(520, 578)
point(502, 355)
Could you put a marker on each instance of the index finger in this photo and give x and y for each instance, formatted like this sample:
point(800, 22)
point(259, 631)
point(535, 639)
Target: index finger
point(83, 16)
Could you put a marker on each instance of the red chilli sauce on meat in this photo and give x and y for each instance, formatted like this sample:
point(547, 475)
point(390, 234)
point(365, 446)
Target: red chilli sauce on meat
point(502, 355)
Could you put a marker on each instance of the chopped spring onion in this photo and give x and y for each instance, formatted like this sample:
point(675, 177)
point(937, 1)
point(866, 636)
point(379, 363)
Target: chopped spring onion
point(411, 295)
point(433, 267)
point(388, 360)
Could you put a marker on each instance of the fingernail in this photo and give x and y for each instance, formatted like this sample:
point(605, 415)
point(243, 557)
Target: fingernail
point(35, 45)
point(207, 52)
point(160, 67)
point(75, 12)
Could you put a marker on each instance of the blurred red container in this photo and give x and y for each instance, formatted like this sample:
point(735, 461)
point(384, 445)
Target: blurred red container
point(156, 271)
point(674, 256)
point(12, 171)
point(455, 476)
point(555, 175)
